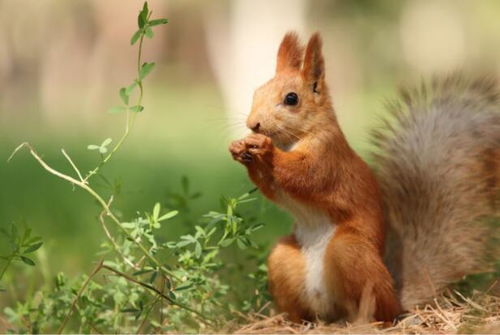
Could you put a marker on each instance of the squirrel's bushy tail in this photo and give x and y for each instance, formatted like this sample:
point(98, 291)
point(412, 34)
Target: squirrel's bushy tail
point(439, 170)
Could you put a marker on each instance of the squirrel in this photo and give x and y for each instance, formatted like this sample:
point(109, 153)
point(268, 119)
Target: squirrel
point(435, 183)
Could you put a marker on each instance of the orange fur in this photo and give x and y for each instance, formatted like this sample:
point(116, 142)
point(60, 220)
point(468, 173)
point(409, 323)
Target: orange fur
point(289, 53)
point(300, 153)
point(286, 274)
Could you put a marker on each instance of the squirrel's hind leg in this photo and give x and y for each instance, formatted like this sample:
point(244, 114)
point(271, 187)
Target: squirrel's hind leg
point(286, 266)
point(359, 280)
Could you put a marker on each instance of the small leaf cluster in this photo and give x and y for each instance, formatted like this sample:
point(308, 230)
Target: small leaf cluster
point(145, 25)
point(102, 307)
point(101, 148)
point(21, 243)
point(142, 227)
point(234, 228)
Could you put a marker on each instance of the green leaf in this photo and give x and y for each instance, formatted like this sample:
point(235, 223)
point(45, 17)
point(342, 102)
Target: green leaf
point(103, 150)
point(153, 277)
point(146, 68)
point(130, 88)
point(241, 244)
point(27, 260)
point(117, 109)
point(128, 225)
point(170, 244)
point(93, 147)
point(188, 238)
point(200, 230)
point(256, 227)
point(243, 196)
point(136, 109)
point(135, 37)
point(106, 142)
point(26, 235)
point(245, 201)
point(253, 244)
point(33, 247)
point(124, 95)
point(168, 215)
point(140, 21)
point(184, 286)
point(129, 310)
point(156, 22)
point(156, 211)
point(149, 33)
point(33, 239)
point(197, 249)
point(226, 243)
point(183, 243)
point(143, 15)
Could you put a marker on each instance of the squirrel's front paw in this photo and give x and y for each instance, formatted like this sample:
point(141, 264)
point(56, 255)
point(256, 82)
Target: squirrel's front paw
point(258, 144)
point(252, 146)
point(239, 152)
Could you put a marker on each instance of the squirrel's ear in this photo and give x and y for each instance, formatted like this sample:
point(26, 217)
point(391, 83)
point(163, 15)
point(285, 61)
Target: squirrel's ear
point(289, 53)
point(313, 70)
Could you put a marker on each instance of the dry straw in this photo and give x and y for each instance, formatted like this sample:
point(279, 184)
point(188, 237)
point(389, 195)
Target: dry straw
point(450, 314)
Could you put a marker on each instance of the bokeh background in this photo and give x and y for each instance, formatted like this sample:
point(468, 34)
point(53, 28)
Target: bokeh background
point(62, 62)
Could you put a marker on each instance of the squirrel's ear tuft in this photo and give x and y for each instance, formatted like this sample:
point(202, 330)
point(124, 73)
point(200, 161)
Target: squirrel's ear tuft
point(289, 53)
point(313, 70)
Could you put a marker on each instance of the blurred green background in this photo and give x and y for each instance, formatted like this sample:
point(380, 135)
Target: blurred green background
point(62, 62)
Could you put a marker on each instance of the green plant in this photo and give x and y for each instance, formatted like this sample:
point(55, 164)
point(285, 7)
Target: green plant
point(143, 283)
point(21, 245)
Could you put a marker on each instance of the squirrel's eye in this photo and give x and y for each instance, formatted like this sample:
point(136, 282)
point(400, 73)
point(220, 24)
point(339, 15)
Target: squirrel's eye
point(291, 99)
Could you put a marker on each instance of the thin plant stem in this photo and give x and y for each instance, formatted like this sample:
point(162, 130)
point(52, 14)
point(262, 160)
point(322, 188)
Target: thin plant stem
point(146, 315)
point(112, 240)
point(72, 164)
point(104, 205)
point(203, 318)
point(80, 292)
point(130, 118)
point(7, 264)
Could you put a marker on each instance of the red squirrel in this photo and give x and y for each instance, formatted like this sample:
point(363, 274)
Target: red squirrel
point(438, 173)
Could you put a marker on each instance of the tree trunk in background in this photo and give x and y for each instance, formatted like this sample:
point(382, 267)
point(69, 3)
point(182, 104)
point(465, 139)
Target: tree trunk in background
point(242, 42)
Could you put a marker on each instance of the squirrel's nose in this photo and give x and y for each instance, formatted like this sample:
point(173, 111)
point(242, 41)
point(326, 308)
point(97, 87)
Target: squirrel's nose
point(255, 127)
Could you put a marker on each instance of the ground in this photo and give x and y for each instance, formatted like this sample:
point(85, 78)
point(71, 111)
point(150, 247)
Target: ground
point(453, 314)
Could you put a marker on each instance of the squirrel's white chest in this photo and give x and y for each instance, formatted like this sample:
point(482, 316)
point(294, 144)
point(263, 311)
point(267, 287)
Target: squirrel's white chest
point(313, 231)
